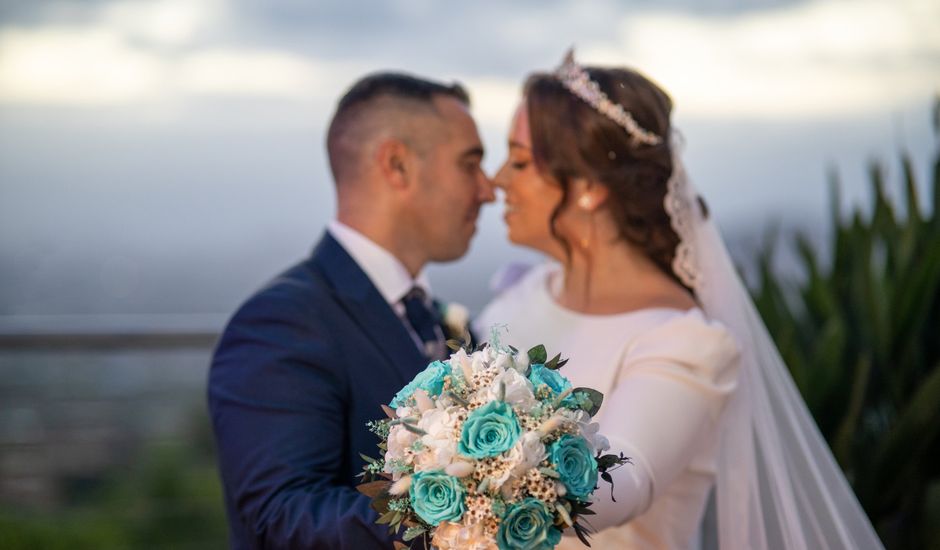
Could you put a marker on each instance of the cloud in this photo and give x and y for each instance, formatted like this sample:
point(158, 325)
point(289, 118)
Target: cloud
point(493, 99)
point(147, 51)
point(233, 72)
point(163, 22)
point(828, 57)
point(64, 65)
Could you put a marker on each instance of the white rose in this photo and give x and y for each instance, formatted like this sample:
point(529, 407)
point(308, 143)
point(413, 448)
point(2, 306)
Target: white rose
point(518, 389)
point(456, 536)
point(502, 361)
point(405, 412)
point(440, 440)
point(479, 360)
point(521, 362)
point(588, 429)
point(527, 453)
point(399, 439)
point(461, 360)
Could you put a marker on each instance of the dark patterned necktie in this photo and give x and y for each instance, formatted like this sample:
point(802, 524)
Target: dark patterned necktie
point(423, 321)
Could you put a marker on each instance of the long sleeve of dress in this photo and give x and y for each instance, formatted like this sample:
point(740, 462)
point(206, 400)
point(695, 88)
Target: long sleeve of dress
point(668, 394)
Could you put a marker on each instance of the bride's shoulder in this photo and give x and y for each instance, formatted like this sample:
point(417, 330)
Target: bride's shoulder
point(688, 338)
point(518, 275)
point(518, 281)
point(515, 289)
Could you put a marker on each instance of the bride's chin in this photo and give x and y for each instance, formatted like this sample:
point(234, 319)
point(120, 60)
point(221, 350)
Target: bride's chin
point(513, 236)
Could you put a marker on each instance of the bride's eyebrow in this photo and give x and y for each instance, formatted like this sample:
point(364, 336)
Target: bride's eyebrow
point(517, 144)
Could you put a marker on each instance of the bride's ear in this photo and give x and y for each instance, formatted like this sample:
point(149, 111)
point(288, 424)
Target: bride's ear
point(589, 195)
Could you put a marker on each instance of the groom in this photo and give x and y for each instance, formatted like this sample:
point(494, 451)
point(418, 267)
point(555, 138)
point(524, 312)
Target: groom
point(309, 359)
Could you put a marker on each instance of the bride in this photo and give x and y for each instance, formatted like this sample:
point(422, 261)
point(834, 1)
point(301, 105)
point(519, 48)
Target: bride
point(640, 294)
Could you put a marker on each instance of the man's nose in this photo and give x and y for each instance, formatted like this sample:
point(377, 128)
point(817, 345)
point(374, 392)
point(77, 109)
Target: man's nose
point(487, 191)
point(499, 180)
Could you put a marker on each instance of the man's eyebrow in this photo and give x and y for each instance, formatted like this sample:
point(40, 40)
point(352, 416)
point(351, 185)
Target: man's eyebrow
point(476, 151)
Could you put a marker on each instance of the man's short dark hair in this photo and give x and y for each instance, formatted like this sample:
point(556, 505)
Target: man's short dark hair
point(353, 110)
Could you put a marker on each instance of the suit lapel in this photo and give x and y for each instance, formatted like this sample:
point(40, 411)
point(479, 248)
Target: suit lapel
point(374, 316)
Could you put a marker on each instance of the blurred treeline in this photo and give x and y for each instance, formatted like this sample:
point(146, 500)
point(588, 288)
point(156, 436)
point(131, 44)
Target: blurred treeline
point(860, 332)
point(170, 498)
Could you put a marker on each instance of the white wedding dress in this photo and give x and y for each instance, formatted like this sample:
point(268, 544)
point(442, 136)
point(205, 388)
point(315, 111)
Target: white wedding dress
point(666, 376)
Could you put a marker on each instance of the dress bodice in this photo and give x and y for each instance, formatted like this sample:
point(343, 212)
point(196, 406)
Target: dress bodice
point(666, 375)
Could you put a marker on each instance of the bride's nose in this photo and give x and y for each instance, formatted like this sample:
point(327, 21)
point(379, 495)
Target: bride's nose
point(501, 179)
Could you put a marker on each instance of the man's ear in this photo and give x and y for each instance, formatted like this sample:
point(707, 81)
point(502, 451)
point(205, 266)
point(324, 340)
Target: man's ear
point(393, 159)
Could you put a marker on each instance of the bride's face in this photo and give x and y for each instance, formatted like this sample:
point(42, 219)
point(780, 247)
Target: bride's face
point(530, 198)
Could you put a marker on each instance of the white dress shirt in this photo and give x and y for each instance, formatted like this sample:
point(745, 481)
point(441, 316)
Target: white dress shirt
point(386, 272)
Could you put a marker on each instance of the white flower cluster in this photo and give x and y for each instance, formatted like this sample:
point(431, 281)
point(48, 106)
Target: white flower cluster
point(487, 439)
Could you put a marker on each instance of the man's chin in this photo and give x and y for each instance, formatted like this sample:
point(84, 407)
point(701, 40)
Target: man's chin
point(452, 254)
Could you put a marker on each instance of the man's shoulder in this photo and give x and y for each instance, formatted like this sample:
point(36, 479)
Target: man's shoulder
point(299, 290)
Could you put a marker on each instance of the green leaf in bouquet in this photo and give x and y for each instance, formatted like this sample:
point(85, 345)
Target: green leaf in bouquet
point(563, 512)
point(412, 533)
point(608, 461)
point(583, 533)
point(538, 355)
point(414, 429)
point(459, 400)
point(393, 519)
point(374, 489)
point(561, 397)
point(368, 458)
point(387, 517)
point(556, 363)
point(454, 344)
point(548, 472)
point(593, 402)
point(380, 504)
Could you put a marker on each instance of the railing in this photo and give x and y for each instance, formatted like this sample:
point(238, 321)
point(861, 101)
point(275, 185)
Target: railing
point(81, 396)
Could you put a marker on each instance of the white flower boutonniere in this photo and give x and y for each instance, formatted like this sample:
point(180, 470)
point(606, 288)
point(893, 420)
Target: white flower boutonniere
point(456, 318)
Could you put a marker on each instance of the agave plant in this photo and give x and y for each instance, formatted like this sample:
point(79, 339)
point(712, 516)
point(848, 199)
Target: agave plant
point(861, 336)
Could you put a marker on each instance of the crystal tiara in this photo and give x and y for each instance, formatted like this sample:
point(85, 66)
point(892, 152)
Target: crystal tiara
point(578, 82)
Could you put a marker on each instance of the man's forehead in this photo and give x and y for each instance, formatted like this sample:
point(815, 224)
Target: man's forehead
point(457, 121)
point(453, 111)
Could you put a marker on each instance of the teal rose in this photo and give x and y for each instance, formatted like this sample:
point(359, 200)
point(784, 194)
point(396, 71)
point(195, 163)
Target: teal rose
point(527, 525)
point(575, 465)
point(489, 431)
point(540, 375)
point(430, 380)
point(436, 497)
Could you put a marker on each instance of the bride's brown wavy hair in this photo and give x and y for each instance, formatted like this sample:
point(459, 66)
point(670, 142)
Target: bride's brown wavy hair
point(572, 140)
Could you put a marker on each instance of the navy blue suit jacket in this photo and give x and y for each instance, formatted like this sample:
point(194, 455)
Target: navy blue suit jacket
point(300, 369)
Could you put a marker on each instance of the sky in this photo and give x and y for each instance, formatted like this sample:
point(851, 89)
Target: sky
point(166, 157)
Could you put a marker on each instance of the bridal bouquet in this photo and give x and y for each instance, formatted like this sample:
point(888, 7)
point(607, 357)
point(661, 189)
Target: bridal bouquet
point(492, 449)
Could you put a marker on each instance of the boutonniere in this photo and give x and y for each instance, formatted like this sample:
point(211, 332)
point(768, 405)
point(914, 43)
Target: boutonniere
point(456, 320)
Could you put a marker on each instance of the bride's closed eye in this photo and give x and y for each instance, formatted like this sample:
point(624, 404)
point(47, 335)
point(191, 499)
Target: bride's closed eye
point(519, 164)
